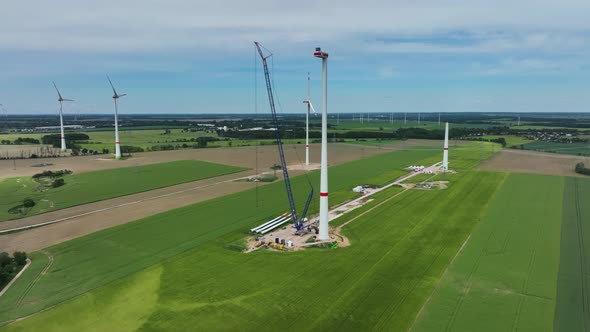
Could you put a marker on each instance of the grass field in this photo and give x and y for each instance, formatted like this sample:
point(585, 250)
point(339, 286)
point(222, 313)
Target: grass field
point(147, 138)
point(572, 311)
point(99, 185)
point(196, 281)
point(106, 139)
point(578, 149)
point(505, 277)
point(105, 256)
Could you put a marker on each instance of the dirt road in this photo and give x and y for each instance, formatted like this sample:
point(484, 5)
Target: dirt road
point(88, 218)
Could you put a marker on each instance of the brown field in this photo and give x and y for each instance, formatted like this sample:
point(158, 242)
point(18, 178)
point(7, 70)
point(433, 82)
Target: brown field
point(520, 161)
point(88, 218)
point(238, 156)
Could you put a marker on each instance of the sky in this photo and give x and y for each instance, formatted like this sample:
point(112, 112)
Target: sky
point(181, 56)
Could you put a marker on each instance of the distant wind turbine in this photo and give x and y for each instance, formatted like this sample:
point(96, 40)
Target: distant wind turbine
point(61, 117)
point(116, 96)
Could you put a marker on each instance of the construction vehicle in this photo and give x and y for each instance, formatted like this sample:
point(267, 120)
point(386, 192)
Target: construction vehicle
point(298, 223)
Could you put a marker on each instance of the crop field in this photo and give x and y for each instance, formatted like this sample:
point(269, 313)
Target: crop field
point(137, 245)
point(505, 277)
point(176, 271)
point(99, 185)
point(105, 139)
point(578, 149)
point(572, 311)
point(147, 138)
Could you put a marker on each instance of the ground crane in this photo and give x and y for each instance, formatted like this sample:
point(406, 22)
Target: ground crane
point(297, 222)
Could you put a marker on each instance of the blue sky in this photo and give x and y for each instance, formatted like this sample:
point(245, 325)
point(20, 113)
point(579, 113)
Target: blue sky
point(185, 56)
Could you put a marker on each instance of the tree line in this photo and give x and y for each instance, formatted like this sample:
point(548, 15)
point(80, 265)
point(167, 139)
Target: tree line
point(11, 266)
point(582, 169)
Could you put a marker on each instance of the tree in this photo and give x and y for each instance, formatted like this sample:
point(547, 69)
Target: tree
point(20, 258)
point(201, 142)
point(28, 203)
point(57, 183)
point(5, 259)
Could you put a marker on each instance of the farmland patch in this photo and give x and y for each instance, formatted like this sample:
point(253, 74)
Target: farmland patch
point(505, 277)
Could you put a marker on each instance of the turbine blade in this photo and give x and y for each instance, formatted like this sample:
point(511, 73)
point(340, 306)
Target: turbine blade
point(123, 95)
point(56, 89)
point(313, 109)
point(68, 99)
point(111, 83)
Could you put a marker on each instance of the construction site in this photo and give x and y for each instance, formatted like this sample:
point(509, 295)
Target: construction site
point(290, 231)
point(298, 212)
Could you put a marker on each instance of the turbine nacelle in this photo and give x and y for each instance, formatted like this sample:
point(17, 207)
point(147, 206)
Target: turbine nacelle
point(115, 94)
point(60, 99)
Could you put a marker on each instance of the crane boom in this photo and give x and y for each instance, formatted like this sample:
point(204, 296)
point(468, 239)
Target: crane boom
point(278, 135)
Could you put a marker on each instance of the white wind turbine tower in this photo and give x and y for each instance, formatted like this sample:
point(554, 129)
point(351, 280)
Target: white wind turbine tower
point(61, 117)
point(445, 163)
point(323, 222)
point(309, 108)
point(116, 96)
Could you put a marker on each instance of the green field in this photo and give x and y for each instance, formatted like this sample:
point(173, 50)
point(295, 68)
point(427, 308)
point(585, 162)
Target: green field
point(578, 149)
point(99, 185)
point(505, 277)
point(178, 270)
point(103, 257)
point(572, 311)
point(522, 262)
point(148, 138)
point(105, 139)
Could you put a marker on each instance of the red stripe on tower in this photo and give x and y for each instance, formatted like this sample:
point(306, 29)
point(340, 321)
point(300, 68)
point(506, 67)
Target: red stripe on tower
point(324, 194)
point(117, 142)
point(445, 148)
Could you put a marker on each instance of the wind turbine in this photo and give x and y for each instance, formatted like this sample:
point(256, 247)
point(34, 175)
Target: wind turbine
point(116, 96)
point(309, 107)
point(61, 117)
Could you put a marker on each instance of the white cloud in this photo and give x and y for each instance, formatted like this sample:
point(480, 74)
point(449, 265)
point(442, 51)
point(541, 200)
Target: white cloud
point(129, 26)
